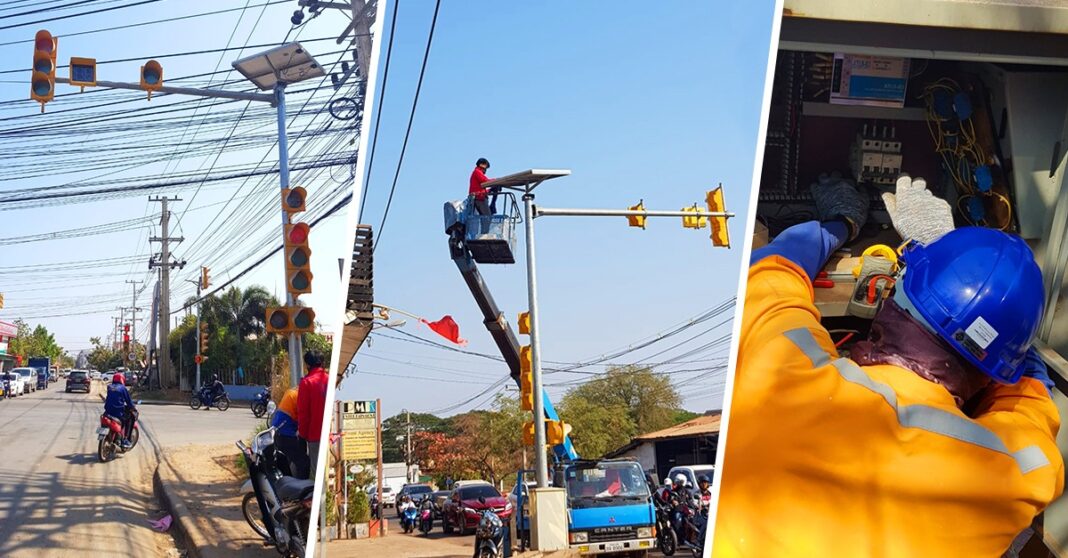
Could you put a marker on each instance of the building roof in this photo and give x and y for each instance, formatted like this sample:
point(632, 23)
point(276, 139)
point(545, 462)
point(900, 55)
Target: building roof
point(703, 425)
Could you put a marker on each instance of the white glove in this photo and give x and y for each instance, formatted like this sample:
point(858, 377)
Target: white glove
point(916, 213)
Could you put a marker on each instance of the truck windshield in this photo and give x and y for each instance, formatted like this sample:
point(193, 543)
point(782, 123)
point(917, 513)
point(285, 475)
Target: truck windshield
point(605, 484)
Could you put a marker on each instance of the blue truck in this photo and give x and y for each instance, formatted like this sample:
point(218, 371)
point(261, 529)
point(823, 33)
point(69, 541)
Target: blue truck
point(43, 366)
point(610, 504)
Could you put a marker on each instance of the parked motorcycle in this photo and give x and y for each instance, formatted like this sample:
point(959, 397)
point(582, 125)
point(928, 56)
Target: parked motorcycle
point(666, 539)
point(489, 535)
point(426, 515)
point(259, 404)
point(110, 436)
point(205, 398)
point(279, 506)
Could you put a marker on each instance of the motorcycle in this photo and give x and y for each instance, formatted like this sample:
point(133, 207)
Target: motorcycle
point(666, 539)
point(409, 516)
point(692, 527)
point(259, 404)
point(204, 398)
point(110, 436)
point(426, 515)
point(489, 535)
point(278, 508)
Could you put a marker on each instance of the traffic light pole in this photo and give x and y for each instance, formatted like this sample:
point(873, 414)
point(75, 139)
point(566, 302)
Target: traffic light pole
point(217, 93)
point(295, 351)
point(550, 212)
point(199, 349)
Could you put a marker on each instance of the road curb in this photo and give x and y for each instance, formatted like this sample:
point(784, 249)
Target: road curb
point(182, 523)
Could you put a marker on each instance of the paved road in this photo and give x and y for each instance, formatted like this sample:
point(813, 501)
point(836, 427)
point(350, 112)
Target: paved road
point(57, 499)
point(399, 545)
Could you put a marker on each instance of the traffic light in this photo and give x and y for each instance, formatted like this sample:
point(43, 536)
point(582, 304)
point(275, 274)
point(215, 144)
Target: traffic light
point(43, 78)
point(637, 220)
point(125, 338)
point(203, 340)
point(290, 319)
point(528, 433)
point(293, 199)
point(524, 323)
point(714, 199)
point(1, 300)
point(204, 280)
point(151, 77)
point(298, 259)
point(556, 431)
point(693, 221)
point(526, 379)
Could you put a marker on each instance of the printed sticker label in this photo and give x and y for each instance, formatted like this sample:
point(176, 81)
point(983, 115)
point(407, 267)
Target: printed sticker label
point(981, 332)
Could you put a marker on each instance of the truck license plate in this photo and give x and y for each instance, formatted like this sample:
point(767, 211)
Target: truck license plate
point(613, 547)
point(102, 431)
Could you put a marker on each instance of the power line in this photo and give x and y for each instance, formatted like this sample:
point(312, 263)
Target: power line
point(101, 10)
point(378, 115)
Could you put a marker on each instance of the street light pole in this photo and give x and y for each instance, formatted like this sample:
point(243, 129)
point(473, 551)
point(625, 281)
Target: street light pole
point(283, 173)
point(541, 463)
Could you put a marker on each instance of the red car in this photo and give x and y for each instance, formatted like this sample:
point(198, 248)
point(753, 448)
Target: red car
point(462, 509)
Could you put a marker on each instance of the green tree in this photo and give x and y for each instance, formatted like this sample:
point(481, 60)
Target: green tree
point(597, 427)
point(649, 399)
point(394, 430)
point(38, 342)
point(102, 357)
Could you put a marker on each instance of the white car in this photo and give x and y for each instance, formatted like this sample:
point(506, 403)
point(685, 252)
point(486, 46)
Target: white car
point(107, 376)
point(29, 378)
point(94, 375)
point(16, 383)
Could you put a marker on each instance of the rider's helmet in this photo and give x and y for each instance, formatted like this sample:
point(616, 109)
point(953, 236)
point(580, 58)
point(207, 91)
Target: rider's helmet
point(667, 481)
point(680, 481)
point(214, 377)
point(703, 479)
point(118, 378)
point(981, 292)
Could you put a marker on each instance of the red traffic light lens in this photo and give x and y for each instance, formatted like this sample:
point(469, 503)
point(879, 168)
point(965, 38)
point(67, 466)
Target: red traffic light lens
point(303, 319)
point(298, 234)
point(44, 43)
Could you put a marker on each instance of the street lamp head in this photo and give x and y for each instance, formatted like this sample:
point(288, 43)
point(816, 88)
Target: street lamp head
point(289, 63)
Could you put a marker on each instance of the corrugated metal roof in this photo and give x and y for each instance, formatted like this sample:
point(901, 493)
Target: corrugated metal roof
point(700, 426)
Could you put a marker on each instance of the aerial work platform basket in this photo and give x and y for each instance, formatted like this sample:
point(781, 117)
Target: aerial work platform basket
point(489, 238)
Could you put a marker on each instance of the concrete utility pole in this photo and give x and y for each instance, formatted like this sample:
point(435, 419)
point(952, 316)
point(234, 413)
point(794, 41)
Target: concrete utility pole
point(164, 262)
point(408, 442)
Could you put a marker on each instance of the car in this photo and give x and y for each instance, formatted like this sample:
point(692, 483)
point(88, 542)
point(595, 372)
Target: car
point(94, 375)
point(416, 491)
point(389, 497)
point(15, 382)
point(78, 380)
point(462, 510)
point(107, 376)
point(439, 497)
point(513, 496)
point(692, 472)
point(463, 483)
point(29, 378)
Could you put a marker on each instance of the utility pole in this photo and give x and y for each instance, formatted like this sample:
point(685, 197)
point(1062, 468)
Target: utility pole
point(408, 441)
point(133, 321)
point(164, 262)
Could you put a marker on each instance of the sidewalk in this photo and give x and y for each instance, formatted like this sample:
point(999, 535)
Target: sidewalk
point(200, 484)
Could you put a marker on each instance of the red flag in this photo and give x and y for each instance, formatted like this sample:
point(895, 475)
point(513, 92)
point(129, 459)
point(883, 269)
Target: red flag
point(447, 328)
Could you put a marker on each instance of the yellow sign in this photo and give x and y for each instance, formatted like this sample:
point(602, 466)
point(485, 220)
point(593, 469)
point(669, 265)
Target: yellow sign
point(359, 445)
point(352, 422)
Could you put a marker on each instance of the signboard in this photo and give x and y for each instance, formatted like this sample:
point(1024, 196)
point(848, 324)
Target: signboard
point(355, 422)
point(359, 445)
point(3, 348)
point(8, 330)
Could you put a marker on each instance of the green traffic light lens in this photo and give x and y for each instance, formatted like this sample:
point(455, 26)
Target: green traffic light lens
point(151, 77)
point(302, 320)
point(279, 319)
point(42, 87)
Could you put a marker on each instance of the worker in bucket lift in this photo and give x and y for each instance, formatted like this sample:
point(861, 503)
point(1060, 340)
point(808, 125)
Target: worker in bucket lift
point(936, 436)
point(478, 194)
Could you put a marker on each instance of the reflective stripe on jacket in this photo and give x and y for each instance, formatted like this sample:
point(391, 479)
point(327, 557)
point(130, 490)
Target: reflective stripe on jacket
point(828, 458)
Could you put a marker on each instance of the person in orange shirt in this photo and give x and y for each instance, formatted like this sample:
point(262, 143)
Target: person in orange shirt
point(936, 436)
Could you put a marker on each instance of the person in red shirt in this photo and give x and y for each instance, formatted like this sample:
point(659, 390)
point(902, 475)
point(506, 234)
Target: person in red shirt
point(476, 191)
point(311, 403)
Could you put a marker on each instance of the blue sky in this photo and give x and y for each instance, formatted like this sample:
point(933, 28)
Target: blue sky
point(653, 101)
point(215, 221)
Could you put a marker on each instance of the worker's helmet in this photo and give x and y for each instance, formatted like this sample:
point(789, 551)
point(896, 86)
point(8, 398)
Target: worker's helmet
point(482, 161)
point(979, 290)
point(118, 378)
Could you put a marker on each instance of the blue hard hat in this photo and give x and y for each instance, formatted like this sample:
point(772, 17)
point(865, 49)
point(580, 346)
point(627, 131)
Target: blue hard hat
point(981, 291)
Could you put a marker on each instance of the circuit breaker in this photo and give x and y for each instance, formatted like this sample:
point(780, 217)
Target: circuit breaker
point(875, 155)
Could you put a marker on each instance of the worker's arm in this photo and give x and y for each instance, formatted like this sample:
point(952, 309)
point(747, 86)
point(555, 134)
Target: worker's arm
point(779, 297)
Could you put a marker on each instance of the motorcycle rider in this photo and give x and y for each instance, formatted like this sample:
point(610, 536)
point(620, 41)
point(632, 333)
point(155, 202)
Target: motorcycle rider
point(119, 405)
point(680, 495)
point(216, 391)
point(704, 491)
point(406, 504)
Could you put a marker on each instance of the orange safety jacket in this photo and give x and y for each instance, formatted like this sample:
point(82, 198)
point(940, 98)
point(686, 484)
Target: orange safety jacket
point(828, 458)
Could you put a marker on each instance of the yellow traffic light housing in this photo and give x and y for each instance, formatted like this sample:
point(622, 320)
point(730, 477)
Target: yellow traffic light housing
point(637, 220)
point(693, 221)
point(293, 199)
point(528, 433)
point(151, 77)
point(205, 281)
point(298, 259)
point(524, 323)
point(83, 72)
point(43, 77)
point(526, 379)
point(556, 431)
point(278, 320)
point(720, 236)
point(203, 340)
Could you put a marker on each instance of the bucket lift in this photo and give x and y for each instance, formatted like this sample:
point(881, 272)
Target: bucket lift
point(490, 239)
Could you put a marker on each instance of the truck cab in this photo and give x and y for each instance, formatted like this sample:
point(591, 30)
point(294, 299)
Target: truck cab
point(610, 506)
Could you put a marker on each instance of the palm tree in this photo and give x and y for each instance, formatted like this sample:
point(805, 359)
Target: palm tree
point(241, 315)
